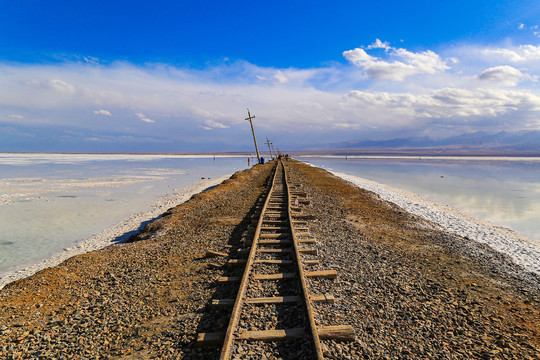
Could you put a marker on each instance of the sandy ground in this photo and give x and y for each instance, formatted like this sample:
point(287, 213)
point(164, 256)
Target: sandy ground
point(116, 234)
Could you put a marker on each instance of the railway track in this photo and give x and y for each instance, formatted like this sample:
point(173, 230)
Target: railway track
point(273, 304)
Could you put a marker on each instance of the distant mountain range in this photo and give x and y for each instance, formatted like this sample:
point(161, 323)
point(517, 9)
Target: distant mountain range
point(503, 143)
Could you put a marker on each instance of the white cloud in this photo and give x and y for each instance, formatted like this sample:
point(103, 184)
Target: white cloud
point(426, 62)
point(523, 53)
point(378, 44)
point(447, 102)
point(56, 85)
point(16, 116)
point(211, 124)
point(505, 74)
point(280, 77)
point(358, 56)
point(61, 86)
point(91, 60)
point(102, 112)
point(331, 103)
point(521, 26)
point(144, 118)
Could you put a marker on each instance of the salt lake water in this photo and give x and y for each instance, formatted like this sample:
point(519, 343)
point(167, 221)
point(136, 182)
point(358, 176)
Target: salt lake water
point(504, 191)
point(49, 202)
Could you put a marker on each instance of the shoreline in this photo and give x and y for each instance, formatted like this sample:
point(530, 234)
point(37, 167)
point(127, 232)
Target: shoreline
point(115, 234)
point(523, 251)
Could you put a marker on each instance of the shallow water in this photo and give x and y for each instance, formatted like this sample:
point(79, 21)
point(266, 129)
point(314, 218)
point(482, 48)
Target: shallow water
point(52, 201)
point(502, 191)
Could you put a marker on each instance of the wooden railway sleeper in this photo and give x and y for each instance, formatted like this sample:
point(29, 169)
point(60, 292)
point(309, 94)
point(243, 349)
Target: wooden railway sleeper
point(336, 332)
point(316, 298)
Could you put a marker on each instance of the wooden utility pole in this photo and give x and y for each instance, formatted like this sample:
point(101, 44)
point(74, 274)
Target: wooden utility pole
point(270, 150)
point(253, 132)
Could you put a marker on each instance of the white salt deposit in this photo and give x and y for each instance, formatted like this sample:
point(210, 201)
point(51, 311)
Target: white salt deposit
point(116, 234)
point(524, 252)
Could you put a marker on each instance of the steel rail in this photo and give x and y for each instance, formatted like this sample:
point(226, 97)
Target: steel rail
point(226, 350)
point(301, 273)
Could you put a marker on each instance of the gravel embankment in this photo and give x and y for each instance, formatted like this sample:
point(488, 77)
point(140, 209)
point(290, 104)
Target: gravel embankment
point(137, 300)
point(409, 290)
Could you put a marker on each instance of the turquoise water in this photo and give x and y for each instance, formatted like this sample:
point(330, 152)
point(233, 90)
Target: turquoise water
point(51, 201)
point(502, 191)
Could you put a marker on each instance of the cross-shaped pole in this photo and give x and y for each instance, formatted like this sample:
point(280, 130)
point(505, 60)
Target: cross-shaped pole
point(270, 150)
point(253, 132)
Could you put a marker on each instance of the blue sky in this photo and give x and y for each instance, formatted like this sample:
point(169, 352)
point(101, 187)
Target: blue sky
point(178, 75)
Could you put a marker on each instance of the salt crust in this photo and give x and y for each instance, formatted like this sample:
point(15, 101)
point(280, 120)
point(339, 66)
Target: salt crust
point(116, 234)
point(523, 251)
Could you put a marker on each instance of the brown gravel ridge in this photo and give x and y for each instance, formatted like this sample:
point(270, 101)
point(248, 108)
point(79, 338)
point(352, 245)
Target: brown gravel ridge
point(411, 291)
point(142, 299)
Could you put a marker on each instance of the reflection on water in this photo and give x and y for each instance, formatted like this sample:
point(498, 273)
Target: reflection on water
point(505, 193)
point(51, 201)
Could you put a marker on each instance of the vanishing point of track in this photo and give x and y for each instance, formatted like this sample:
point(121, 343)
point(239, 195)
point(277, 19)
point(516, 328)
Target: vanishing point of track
point(280, 250)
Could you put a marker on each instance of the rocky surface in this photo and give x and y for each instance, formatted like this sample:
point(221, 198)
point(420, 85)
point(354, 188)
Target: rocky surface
point(137, 300)
point(408, 289)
